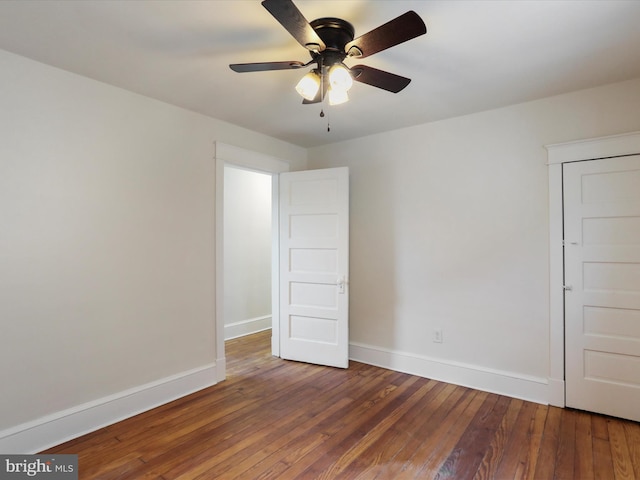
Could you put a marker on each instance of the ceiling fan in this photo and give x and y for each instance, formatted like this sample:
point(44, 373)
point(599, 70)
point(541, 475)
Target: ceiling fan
point(329, 41)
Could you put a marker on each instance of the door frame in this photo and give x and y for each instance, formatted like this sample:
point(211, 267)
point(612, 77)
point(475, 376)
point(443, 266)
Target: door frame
point(259, 162)
point(557, 154)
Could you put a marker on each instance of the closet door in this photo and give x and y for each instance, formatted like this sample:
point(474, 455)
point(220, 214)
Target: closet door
point(602, 285)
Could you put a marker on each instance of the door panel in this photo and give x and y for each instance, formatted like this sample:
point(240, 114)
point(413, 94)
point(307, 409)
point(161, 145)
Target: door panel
point(314, 252)
point(602, 271)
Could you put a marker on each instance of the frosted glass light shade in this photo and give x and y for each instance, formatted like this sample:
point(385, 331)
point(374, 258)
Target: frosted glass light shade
point(309, 85)
point(340, 78)
point(337, 96)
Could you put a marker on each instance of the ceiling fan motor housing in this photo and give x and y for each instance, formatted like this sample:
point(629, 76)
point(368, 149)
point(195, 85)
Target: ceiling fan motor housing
point(335, 33)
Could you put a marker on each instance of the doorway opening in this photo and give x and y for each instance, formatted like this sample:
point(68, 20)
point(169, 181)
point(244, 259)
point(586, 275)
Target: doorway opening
point(247, 252)
point(310, 261)
point(229, 155)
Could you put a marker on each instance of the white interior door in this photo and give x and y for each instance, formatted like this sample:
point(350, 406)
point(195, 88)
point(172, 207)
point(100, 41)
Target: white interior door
point(602, 277)
point(314, 266)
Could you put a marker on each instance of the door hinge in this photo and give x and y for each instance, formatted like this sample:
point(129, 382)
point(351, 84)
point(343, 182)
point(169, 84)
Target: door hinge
point(565, 243)
point(567, 288)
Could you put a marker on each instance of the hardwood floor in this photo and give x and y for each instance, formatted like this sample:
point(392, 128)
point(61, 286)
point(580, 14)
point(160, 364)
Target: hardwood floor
point(277, 419)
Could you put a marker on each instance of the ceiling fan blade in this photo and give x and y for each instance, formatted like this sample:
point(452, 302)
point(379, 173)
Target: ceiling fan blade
point(285, 12)
point(399, 30)
point(265, 66)
point(379, 78)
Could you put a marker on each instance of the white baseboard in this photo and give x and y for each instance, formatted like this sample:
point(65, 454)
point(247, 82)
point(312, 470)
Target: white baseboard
point(247, 327)
point(534, 389)
point(59, 427)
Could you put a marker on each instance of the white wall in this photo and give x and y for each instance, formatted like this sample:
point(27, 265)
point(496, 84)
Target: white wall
point(106, 245)
point(449, 229)
point(247, 251)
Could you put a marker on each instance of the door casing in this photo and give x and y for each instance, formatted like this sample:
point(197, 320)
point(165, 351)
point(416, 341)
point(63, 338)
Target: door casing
point(557, 154)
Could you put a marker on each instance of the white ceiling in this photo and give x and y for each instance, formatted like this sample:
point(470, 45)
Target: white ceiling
point(476, 55)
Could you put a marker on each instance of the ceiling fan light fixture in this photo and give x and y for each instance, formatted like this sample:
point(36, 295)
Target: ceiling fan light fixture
point(309, 85)
point(330, 40)
point(340, 78)
point(338, 96)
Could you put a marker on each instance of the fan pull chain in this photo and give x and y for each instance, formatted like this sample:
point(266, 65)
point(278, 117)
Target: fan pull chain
point(322, 114)
point(322, 80)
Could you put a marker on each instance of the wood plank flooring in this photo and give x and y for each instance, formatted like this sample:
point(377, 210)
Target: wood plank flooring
point(277, 419)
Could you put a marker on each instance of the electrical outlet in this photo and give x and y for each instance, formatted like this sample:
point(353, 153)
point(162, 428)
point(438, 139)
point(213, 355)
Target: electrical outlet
point(437, 335)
